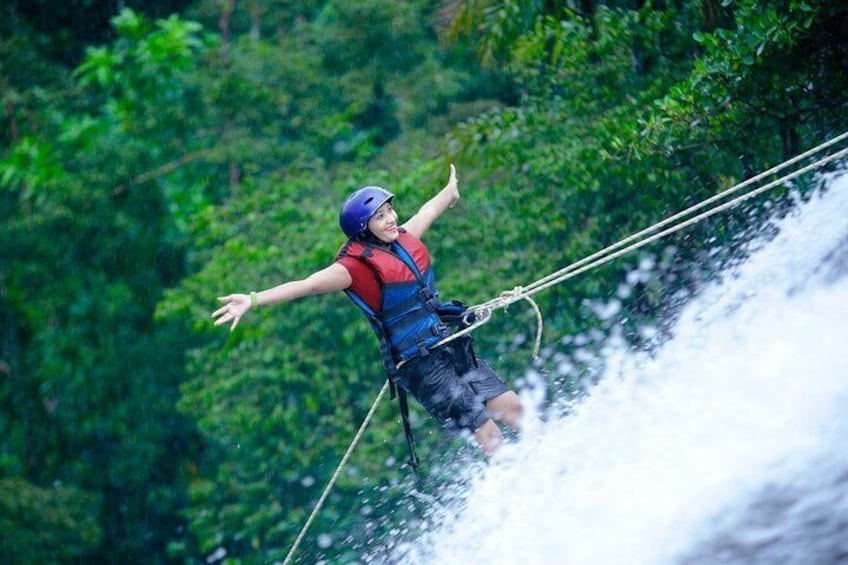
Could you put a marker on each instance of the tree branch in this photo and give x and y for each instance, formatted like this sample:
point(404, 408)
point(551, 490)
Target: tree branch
point(161, 170)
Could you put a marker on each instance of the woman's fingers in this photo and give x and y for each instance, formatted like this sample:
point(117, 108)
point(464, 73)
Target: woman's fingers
point(229, 312)
point(227, 317)
point(222, 309)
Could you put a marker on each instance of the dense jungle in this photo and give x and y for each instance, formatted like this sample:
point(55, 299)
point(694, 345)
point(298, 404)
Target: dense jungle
point(155, 155)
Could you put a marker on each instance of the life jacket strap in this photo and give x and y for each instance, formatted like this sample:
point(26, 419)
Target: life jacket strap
point(407, 429)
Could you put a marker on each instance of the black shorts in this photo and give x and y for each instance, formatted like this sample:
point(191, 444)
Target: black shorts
point(456, 400)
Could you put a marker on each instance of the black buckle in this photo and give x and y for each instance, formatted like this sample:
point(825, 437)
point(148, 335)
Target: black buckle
point(430, 299)
point(440, 329)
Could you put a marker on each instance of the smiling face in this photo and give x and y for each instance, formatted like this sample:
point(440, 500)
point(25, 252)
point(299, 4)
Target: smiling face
point(383, 224)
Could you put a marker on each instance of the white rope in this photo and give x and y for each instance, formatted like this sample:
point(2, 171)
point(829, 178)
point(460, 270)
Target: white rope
point(482, 313)
point(696, 207)
point(336, 474)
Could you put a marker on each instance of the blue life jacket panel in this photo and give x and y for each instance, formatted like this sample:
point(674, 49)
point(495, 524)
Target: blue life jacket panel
point(395, 288)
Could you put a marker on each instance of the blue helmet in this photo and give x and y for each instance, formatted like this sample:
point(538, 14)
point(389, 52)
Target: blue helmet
point(360, 206)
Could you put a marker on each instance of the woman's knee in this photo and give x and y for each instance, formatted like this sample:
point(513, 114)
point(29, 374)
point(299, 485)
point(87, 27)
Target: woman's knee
point(507, 408)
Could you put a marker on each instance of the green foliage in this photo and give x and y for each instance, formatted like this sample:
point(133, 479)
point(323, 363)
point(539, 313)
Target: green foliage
point(629, 116)
point(46, 525)
point(499, 25)
point(63, 30)
point(778, 71)
point(91, 390)
point(183, 161)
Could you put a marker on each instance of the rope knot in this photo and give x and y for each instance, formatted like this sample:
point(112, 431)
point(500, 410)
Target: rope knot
point(516, 290)
point(510, 296)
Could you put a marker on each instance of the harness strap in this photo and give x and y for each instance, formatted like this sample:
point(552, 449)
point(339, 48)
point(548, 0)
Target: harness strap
point(425, 296)
point(407, 430)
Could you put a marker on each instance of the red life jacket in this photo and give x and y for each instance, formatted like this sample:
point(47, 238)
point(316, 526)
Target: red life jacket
point(395, 288)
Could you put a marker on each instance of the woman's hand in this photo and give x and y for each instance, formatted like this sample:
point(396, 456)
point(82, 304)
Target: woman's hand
point(451, 187)
point(418, 224)
point(235, 306)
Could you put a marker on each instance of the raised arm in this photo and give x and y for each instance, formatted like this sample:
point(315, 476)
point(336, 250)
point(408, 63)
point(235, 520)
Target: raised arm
point(335, 277)
point(418, 224)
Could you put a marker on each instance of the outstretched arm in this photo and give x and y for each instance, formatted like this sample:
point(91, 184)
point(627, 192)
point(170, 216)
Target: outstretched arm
point(418, 224)
point(335, 277)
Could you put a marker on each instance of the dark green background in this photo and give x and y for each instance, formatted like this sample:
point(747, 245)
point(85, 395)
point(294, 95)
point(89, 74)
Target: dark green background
point(155, 155)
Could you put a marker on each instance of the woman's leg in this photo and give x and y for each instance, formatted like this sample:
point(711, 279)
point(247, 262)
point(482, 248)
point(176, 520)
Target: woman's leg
point(506, 408)
point(489, 436)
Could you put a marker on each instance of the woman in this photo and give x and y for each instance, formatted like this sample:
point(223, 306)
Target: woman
point(385, 269)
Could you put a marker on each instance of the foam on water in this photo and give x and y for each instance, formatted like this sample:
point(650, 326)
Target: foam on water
point(672, 454)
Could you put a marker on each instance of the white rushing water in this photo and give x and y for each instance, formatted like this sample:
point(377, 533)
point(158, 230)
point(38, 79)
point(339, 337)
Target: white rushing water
point(729, 444)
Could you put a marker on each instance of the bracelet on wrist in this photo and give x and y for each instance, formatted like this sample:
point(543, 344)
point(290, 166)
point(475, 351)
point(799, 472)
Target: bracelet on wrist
point(254, 301)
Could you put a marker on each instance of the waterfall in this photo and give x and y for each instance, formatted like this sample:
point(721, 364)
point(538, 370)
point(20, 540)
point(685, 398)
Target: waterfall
point(727, 444)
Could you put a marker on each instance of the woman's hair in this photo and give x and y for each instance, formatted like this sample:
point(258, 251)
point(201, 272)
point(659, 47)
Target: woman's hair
point(369, 238)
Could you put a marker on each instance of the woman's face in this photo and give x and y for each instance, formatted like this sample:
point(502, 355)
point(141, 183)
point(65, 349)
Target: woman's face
point(383, 224)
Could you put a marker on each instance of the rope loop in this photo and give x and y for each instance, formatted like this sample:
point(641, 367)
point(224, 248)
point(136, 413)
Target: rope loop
point(477, 315)
point(539, 325)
